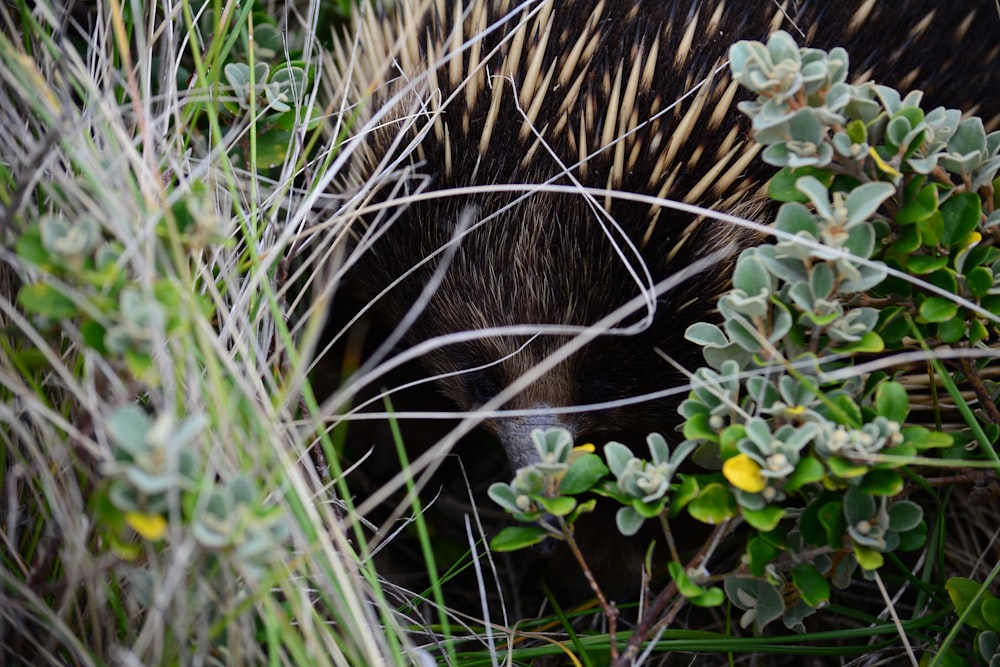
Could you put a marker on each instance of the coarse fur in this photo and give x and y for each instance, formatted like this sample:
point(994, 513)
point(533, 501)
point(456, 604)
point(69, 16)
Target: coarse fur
point(630, 97)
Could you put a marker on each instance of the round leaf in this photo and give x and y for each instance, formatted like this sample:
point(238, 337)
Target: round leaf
point(46, 300)
point(559, 506)
point(628, 521)
point(513, 538)
point(979, 281)
point(938, 309)
point(813, 586)
point(764, 520)
point(584, 472)
point(706, 335)
point(713, 505)
point(905, 515)
point(891, 402)
point(967, 596)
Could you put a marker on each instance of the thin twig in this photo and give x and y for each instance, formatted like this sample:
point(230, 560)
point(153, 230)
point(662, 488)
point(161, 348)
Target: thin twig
point(985, 400)
point(650, 620)
point(610, 610)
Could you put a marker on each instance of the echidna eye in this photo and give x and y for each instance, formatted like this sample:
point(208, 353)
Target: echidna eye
point(481, 386)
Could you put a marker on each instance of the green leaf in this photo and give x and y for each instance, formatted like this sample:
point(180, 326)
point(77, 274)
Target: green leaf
point(870, 343)
point(858, 506)
point(698, 595)
point(808, 470)
point(864, 200)
point(503, 496)
point(712, 597)
point(761, 552)
point(905, 515)
point(685, 493)
point(267, 38)
point(582, 508)
point(968, 596)
point(706, 335)
point(814, 530)
point(931, 230)
point(845, 469)
point(649, 510)
point(913, 539)
point(868, 558)
point(977, 332)
point(938, 309)
point(764, 520)
point(923, 438)
point(882, 483)
point(238, 74)
point(583, 473)
point(696, 428)
point(127, 427)
point(272, 147)
point(946, 279)
point(730, 438)
point(782, 188)
point(961, 214)
point(93, 335)
point(44, 299)
point(628, 521)
point(30, 248)
point(751, 276)
point(618, 456)
point(850, 410)
point(924, 205)
point(513, 538)
point(891, 402)
point(952, 331)
point(685, 586)
point(979, 280)
point(713, 505)
point(306, 116)
point(770, 605)
point(813, 586)
point(558, 506)
point(907, 241)
point(893, 327)
point(991, 612)
point(922, 264)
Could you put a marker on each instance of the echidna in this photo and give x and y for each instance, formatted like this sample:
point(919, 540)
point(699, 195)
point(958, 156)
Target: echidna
point(632, 96)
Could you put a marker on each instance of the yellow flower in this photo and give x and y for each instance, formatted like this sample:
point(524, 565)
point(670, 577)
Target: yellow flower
point(744, 473)
point(150, 526)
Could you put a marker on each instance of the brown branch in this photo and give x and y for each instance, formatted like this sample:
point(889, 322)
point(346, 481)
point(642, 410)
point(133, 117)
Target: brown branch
point(985, 400)
point(650, 621)
point(610, 610)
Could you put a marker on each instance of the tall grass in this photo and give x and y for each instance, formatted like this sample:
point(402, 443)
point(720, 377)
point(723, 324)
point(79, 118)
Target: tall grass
point(161, 498)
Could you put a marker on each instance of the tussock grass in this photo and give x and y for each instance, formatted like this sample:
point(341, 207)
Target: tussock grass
point(113, 115)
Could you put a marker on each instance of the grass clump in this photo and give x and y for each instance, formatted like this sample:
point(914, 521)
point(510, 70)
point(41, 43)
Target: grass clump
point(161, 502)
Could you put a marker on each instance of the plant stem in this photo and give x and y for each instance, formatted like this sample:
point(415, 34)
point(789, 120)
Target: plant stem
point(610, 610)
point(650, 620)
